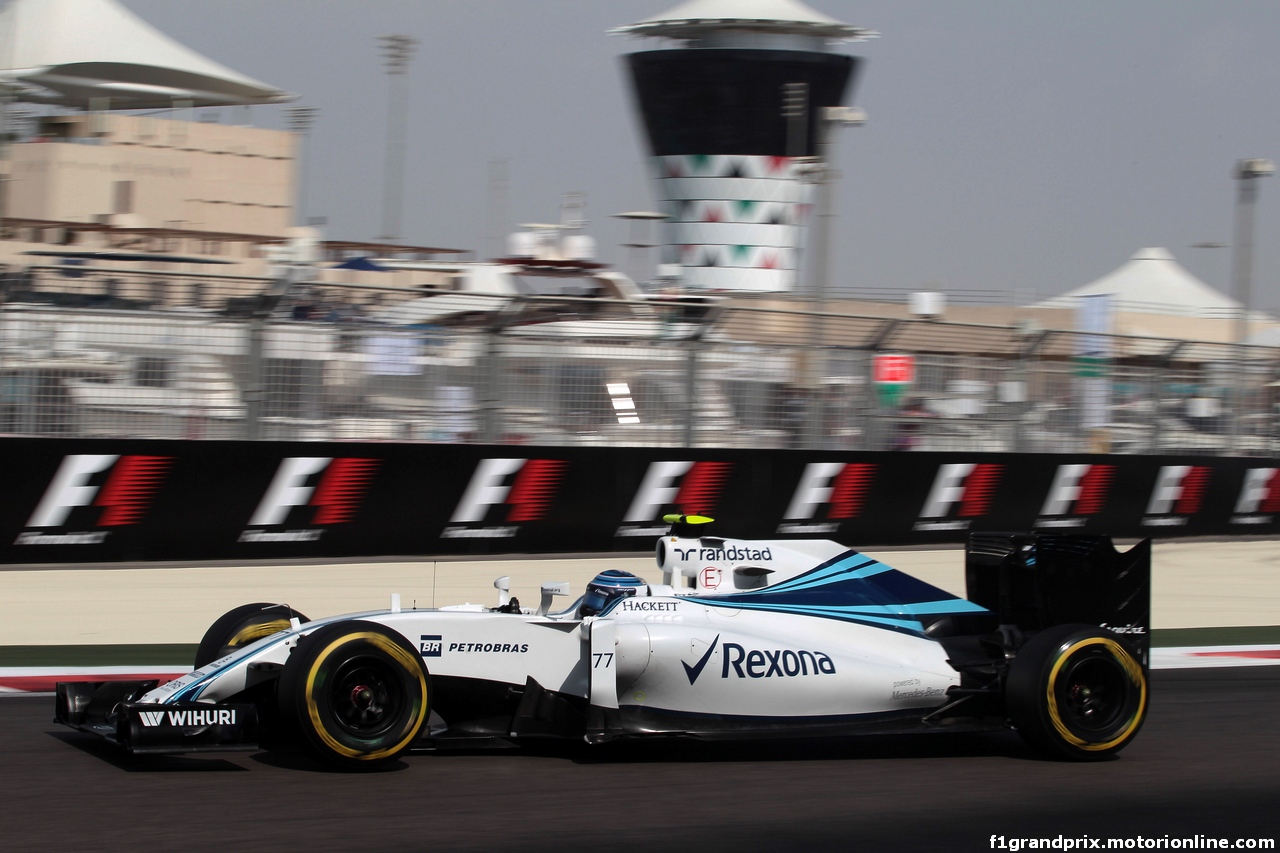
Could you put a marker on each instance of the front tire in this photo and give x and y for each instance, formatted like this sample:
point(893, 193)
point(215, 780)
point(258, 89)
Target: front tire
point(246, 624)
point(355, 694)
point(1074, 691)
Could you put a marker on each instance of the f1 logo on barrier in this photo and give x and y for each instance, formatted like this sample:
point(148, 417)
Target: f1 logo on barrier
point(1259, 493)
point(129, 483)
point(1177, 494)
point(966, 485)
point(690, 487)
point(840, 487)
point(526, 486)
point(1077, 491)
point(693, 487)
point(335, 496)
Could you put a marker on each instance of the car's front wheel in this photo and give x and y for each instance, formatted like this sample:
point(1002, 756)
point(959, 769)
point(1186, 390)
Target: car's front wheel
point(241, 626)
point(1074, 691)
point(355, 694)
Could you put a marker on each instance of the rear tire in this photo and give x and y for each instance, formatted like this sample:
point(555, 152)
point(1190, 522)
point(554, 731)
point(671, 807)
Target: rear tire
point(246, 624)
point(1074, 691)
point(355, 694)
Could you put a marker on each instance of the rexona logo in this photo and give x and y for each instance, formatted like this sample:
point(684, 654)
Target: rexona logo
point(685, 487)
point(502, 494)
point(1259, 497)
point(960, 493)
point(187, 719)
point(94, 491)
point(828, 493)
point(309, 494)
point(1177, 494)
point(740, 662)
point(1077, 492)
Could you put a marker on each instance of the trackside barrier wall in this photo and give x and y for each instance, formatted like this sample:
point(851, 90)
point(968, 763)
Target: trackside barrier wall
point(120, 500)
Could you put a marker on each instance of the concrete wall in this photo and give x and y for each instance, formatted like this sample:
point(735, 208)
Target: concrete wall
point(1196, 584)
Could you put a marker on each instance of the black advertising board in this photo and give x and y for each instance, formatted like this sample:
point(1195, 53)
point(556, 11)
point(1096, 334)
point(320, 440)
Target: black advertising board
point(119, 500)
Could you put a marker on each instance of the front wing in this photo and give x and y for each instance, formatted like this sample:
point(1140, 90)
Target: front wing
point(107, 709)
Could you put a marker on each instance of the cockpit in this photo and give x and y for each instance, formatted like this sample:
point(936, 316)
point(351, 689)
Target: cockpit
point(603, 591)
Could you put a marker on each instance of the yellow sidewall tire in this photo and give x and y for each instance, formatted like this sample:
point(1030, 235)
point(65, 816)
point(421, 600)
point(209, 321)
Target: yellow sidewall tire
point(1134, 677)
point(339, 662)
point(1077, 692)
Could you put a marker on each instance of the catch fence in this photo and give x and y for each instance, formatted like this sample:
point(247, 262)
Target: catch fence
point(158, 354)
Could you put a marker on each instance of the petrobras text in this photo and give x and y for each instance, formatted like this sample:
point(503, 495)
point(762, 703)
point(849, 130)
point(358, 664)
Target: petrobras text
point(500, 648)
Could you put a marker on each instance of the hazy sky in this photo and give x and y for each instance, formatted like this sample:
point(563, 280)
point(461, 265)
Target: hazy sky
point(1013, 145)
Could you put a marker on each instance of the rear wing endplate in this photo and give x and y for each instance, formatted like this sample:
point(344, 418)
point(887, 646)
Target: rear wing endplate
point(1035, 581)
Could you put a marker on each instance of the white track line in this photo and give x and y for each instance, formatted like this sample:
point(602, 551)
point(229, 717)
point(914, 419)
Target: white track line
point(1197, 657)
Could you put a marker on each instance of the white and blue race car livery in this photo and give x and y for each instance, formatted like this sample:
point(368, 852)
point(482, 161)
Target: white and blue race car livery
point(742, 638)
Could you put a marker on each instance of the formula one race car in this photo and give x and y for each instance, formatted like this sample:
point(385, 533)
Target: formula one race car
point(764, 638)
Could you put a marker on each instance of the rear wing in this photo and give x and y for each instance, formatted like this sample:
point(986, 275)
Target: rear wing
point(1034, 581)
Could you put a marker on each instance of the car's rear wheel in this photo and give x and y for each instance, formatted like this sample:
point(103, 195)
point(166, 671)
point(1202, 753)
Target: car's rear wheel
point(1074, 691)
point(355, 694)
point(246, 624)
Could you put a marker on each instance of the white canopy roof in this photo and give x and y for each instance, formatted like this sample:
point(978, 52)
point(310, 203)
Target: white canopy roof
point(68, 52)
point(1152, 282)
point(695, 17)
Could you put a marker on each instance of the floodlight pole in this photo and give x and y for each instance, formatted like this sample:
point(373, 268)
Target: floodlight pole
point(396, 50)
point(824, 175)
point(1246, 173)
point(301, 120)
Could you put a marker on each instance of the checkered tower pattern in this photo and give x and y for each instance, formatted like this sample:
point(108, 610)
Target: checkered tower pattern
point(737, 221)
point(728, 115)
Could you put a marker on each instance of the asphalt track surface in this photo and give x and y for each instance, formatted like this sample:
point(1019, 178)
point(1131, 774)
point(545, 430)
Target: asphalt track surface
point(1206, 763)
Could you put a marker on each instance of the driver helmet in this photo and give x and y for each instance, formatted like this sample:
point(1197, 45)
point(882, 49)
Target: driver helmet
point(605, 588)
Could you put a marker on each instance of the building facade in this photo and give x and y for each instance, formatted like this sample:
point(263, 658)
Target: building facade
point(146, 172)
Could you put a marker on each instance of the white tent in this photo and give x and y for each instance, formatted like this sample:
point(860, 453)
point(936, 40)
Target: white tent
point(81, 52)
point(1152, 282)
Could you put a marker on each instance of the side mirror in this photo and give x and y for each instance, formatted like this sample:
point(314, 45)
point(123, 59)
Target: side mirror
point(503, 586)
point(549, 592)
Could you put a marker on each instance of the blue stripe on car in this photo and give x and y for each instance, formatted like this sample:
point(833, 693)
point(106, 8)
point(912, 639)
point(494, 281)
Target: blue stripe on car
point(851, 587)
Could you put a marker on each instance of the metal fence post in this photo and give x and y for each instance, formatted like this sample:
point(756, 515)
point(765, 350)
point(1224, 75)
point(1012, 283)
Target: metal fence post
point(7, 383)
point(1155, 387)
point(1020, 405)
point(872, 423)
point(255, 393)
point(691, 387)
point(490, 402)
point(255, 389)
point(491, 370)
point(1034, 339)
point(811, 430)
point(1272, 410)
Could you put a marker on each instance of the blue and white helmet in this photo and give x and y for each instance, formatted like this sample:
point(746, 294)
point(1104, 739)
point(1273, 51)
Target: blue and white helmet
point(605, 588)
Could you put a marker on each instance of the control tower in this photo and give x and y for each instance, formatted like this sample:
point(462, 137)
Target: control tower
point(726, 121)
